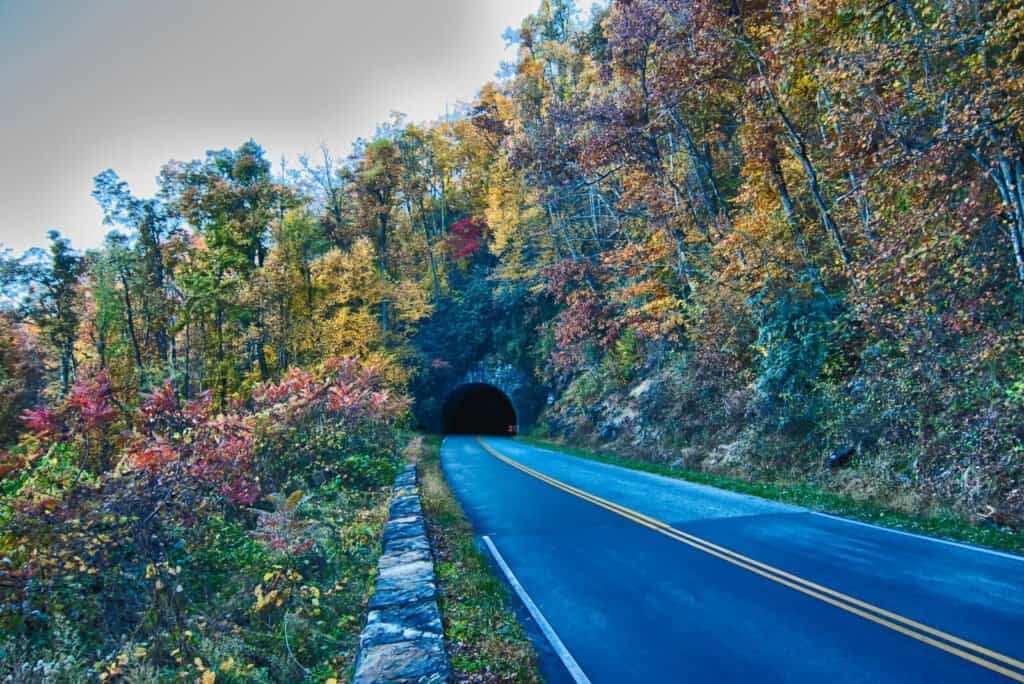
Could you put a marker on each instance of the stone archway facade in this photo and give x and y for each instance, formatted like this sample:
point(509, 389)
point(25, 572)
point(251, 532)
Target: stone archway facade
point(527, 399)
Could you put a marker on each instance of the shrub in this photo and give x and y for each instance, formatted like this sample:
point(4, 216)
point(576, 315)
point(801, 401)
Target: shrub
point(183, 551)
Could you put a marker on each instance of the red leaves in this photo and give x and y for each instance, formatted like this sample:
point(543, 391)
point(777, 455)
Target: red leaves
point(297, 387)
point(220, 450)
point(185, 444)
point(91, 402)
point(214, 450)
point(466, 238)
point(587, 317)
point(161, 401)
point(10, 463)
point(343, 389)
point(88, 408)
point(42, 421)
point(241, 491)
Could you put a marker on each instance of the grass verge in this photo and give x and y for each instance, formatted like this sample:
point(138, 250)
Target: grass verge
point(485, 641)
point(943, 524)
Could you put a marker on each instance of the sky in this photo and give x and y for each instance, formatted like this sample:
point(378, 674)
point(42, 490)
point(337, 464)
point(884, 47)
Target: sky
point(131, 84)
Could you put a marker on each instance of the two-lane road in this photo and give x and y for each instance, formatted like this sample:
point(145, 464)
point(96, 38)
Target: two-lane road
point(649, 579)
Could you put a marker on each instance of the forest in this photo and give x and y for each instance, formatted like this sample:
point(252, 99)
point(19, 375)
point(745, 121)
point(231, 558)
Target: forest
point(769, 239)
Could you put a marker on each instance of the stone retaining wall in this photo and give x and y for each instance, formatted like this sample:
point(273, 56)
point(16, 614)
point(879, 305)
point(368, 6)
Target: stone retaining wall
point(403, 640)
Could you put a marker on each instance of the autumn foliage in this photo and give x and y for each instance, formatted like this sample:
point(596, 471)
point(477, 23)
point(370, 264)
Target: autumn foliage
point(123, 534)
point(731, 236)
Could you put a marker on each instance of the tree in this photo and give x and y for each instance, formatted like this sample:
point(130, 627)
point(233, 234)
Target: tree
point(142, 271)
point(55, 310)
point(232, 201)
point(377, 181)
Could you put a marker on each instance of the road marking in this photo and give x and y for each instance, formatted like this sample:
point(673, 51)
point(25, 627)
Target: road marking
point(549, 632)
point(937, 540)
point(700, 485)
point(957, 646)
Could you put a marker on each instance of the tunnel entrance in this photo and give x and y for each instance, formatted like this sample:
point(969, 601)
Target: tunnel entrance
point(478, 409)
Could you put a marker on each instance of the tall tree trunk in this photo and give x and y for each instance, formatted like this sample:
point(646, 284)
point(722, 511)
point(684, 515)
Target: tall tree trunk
point(778, 181)
point(383, 267)
point(65, 370)
point(261, 354)
point(222, 380)
point(704, 170)
point(187, 379)
point(799, 148)
point(282, 334)
point(859, 196)
point(1008, 176)
point(430, 247)
point(130, 318)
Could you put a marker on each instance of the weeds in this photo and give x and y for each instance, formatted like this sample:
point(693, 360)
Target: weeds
point(485, 642)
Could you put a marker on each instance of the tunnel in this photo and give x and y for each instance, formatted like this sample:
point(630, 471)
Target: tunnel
point(478, 409)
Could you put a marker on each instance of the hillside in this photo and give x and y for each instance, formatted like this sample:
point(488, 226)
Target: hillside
point(767, 240)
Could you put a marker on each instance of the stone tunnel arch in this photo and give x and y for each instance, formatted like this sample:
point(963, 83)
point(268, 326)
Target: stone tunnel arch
point(478, 408)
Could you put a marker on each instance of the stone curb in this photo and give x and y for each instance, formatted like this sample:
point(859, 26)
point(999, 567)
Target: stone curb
point(403, 640)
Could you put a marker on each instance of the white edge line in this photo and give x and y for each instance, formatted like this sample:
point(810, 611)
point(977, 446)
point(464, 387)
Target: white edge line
point(940, 540)
point(556, 643)
point(687, 484)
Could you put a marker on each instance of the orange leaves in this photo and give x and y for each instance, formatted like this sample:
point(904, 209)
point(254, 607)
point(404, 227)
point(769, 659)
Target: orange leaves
point(153, 456)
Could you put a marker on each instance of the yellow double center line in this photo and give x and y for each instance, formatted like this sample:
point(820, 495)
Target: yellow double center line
point(968, 650)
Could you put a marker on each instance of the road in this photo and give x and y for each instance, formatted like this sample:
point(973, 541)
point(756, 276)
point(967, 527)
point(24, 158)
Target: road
point(644, 578)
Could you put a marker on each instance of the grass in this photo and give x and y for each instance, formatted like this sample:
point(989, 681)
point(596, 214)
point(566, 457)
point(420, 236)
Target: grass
point(943, 524)
point(485, 641)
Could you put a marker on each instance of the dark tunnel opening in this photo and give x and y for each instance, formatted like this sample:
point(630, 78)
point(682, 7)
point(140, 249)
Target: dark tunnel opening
point(478, 409)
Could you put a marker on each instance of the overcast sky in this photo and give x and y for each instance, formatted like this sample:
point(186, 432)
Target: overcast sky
point(129, 84)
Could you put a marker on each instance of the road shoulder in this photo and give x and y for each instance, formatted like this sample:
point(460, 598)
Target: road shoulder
point(485, 640)
point(940, 526)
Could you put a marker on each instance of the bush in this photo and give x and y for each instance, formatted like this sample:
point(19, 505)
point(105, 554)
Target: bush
point(795, 339)
point(194, 551)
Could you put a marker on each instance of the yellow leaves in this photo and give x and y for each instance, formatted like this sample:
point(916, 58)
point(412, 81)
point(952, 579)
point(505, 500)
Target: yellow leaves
point(349, 278)
point(352, 332)
point(506, 205)
point(293, 500)
point(411, 302)
point(110, 671)
point(352, 290)
point(804, 86)
point(209, 677)
point(273, 598)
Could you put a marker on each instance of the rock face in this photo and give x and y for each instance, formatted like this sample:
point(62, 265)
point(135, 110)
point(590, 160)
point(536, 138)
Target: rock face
point(403, 640)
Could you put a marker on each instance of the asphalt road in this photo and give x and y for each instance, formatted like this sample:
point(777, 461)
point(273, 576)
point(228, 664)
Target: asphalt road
point(649, 579)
